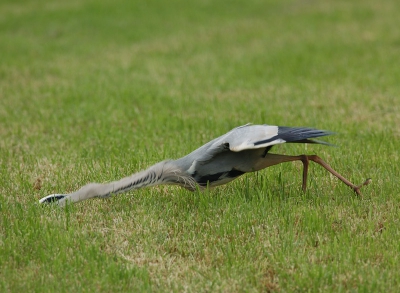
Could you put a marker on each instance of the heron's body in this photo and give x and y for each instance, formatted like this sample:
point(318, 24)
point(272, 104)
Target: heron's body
point(243, 149)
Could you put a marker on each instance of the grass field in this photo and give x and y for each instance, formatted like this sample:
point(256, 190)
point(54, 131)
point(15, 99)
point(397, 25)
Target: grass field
point(92, 91)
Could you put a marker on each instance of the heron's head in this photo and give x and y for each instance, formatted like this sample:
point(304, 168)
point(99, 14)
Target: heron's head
point(52, 198)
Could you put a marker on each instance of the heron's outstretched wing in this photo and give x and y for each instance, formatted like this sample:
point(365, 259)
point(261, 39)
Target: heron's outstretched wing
point(249, 136)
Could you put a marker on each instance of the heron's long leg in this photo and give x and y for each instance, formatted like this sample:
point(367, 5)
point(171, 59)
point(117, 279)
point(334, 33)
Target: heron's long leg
point(304, 160)
point(273, 159)
point(321, 162)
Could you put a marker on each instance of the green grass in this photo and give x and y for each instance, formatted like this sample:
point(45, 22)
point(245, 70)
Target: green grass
point(92, 91)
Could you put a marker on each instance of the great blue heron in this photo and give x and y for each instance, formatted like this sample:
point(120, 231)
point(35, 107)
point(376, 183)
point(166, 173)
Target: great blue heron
point(241, 150)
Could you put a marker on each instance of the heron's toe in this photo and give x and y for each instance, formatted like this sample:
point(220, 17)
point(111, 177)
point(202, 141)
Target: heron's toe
point(51, 198)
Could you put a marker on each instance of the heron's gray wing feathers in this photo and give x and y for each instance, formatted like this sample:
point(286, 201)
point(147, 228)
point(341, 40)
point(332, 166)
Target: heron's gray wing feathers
point(238, 139)
point(249, 136)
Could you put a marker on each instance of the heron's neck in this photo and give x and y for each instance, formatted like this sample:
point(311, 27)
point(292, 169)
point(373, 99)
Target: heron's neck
point(149, 177)
point(166, 172)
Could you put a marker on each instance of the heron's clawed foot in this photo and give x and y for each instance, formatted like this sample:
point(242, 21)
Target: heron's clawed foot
point(357, 188)
point(52, 198)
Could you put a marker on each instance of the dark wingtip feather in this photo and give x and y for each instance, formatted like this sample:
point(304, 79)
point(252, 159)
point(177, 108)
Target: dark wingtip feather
point(314, 141)
point(302, 134)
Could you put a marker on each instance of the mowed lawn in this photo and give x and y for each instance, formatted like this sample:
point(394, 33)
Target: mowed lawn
point(92, 91)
